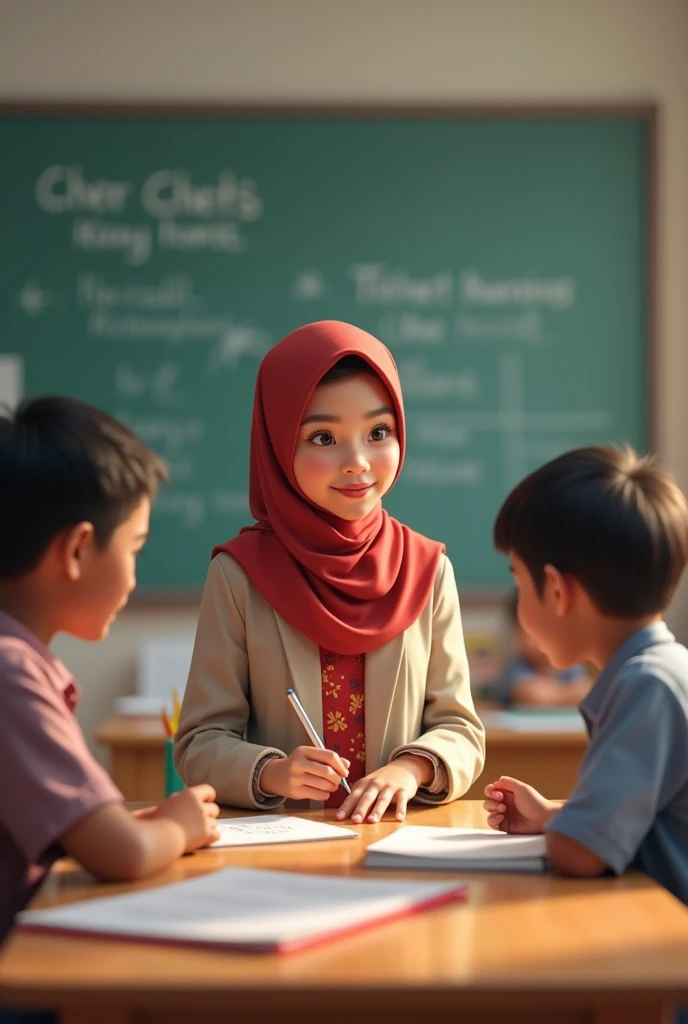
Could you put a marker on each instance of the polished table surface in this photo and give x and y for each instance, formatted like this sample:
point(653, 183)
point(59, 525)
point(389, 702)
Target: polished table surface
point(534, 947)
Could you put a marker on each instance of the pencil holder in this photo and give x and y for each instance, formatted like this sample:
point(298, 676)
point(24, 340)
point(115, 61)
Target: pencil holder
point(172, 781)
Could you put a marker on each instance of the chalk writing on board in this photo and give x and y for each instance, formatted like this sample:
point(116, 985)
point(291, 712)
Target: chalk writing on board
point(517, 426)
point(213, 212)
point(170, 292)
point(133, 241)
point(161, 385)
point(412, 328)
point(525, 326)
point(217, 236)
point(167, 192)
point(104, 323)
point(419, 381)
point(238, 340)
point(525, 437)
point(172, 193)
point(63, 188)
point(439, 430)
point(377, 284)
point(187, 507)
point(309, 285)
point(33, 299)
point(525, 290)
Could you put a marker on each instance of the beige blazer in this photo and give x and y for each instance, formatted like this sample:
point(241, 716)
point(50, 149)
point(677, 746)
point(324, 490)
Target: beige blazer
point(246, 656)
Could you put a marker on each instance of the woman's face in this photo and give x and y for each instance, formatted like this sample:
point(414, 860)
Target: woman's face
point(347, 453)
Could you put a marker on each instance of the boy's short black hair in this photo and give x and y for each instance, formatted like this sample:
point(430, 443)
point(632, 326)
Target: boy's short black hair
point(613, 520)
point(63, 462)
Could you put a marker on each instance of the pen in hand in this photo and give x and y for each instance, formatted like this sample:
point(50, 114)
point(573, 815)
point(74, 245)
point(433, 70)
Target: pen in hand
point(308, 726)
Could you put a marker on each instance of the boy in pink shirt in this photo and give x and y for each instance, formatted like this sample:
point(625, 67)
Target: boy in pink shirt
point(76, 493)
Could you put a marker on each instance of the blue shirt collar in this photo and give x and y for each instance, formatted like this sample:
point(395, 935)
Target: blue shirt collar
point(648, 636)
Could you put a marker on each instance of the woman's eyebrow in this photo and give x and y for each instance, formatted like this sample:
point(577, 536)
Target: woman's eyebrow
point(384, 409)
point(317, 417)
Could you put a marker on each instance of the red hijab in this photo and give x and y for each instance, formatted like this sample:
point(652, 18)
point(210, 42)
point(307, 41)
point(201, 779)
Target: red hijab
point(348, 586)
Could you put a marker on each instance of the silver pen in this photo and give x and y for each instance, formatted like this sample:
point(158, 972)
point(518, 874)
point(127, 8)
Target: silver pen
point(308, 726)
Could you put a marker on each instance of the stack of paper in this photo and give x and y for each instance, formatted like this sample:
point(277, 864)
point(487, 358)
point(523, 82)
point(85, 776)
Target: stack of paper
point(247, 909)
point(463, 849)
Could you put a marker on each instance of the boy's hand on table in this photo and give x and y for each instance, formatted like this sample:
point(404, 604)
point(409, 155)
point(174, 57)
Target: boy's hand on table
point(195, 811)
point(396, 782)
point(145, 813)
point(516, 807)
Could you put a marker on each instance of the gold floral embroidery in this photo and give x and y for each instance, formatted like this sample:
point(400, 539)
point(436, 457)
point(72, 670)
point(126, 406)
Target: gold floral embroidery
point(335, 721)
point(355, 702)
point(345, 732)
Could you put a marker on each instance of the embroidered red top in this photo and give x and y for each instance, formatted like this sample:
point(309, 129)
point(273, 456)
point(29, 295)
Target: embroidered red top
point(343, 705)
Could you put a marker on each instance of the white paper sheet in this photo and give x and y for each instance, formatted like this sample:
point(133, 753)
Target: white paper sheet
point(246, 908)
point(277, 828)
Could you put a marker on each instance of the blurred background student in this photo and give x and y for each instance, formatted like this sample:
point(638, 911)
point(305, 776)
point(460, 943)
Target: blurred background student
point(529, 679)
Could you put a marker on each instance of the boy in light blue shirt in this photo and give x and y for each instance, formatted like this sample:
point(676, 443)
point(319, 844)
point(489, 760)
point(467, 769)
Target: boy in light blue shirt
point(597, 540)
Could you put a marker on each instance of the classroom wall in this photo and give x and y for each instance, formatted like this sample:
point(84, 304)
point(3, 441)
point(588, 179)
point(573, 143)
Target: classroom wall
point(386, 50)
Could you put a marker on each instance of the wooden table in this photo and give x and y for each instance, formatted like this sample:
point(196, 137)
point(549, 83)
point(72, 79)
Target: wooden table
point(547, 760)
point(523, 948)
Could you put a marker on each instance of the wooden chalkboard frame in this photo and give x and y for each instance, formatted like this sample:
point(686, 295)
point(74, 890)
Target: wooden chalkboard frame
point(646, 111)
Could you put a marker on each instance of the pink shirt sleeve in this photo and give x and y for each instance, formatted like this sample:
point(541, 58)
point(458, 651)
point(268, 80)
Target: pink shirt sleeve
point(50, 780)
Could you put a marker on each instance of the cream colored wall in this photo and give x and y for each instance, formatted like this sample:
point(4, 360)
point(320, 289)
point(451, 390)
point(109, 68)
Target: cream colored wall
point(451, 50)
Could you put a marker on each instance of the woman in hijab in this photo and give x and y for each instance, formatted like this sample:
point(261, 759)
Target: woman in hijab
point(330, 596)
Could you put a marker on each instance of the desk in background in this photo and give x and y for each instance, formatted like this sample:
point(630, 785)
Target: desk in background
point(523, 949)
point(136, 755)
point(547, 760)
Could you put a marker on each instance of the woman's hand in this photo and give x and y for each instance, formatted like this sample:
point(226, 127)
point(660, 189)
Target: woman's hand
point(307, 774)
point(397, 783)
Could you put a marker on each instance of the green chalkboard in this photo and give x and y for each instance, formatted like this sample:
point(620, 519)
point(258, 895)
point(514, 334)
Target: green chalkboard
point(150, 258)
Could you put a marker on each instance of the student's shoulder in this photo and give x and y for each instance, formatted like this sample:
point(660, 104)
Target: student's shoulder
point(660, 673)
point(17, 655)
point(23, 669)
